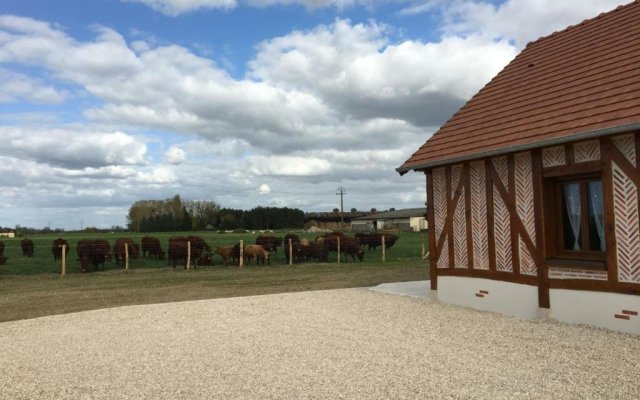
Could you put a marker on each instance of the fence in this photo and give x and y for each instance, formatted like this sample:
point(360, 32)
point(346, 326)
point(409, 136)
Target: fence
point(409, 247)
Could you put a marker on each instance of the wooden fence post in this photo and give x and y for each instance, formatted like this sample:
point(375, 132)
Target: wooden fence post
point(290, 253)
point(188, 255)
point(126, 257)
point(384, 250)
point(338, 238)
point(241, 261)
point(64, 260)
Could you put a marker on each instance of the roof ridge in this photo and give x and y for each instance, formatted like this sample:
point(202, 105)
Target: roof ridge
point(584, 21)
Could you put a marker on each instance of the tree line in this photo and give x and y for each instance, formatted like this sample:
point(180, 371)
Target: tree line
point(175, 214)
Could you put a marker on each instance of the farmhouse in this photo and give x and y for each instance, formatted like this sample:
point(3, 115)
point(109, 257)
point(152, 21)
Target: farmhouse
point(408, 219)
point(533, 185)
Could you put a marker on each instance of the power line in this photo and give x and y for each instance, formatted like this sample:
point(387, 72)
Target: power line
point(341, 192)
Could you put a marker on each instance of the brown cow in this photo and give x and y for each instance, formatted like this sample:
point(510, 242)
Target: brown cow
point(27, 247)
point(56, 248)
point(199, 247)
point(348, 246)
point(92, 252)
point(225, 252)
point(120, 253)
point(151, 247)
point(3, 259)
point(270, 243)
point(177, 252)
point(256, 253)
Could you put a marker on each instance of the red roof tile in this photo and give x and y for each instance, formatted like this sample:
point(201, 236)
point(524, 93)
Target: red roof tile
point(582, 81)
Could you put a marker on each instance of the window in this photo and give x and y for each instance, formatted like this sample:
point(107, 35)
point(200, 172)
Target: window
point(577, 219)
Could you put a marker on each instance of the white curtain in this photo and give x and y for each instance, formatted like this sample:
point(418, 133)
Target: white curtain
point(572, 200)
point(597, 207)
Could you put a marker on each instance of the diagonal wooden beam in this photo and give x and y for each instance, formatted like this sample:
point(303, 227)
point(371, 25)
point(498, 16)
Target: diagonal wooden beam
point(449, 220)
point(511, 207)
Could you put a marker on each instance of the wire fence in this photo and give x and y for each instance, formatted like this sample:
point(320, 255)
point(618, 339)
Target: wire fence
point(96, 252)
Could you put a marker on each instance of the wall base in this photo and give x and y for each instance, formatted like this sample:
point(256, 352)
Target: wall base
point(507, 298)
point(618, 312)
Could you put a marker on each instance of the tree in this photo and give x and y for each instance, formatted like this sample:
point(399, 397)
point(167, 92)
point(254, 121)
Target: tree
point(354, 210)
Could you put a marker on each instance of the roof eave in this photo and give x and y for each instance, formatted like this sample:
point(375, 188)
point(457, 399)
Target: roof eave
point(529, 146)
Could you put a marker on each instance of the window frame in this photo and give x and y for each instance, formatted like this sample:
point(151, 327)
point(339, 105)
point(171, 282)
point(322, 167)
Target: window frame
point(556, 253)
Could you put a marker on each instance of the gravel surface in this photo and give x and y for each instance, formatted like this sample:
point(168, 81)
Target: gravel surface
point(352, 343)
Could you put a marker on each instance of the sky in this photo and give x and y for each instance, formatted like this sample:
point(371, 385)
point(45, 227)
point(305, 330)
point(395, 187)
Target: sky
point(243, 102)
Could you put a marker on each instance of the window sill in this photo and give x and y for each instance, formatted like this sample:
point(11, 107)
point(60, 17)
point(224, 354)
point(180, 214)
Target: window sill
point(583, 264)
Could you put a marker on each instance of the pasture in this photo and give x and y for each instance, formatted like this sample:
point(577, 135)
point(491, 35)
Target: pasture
point(33, 287)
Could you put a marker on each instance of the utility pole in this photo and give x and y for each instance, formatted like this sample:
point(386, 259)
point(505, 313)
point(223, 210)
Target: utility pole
point(341, 192)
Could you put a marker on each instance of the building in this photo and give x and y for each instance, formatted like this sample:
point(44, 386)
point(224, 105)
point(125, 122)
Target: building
point(7, 234)
point(333, 221)
point(533, 185)
point(409, 219)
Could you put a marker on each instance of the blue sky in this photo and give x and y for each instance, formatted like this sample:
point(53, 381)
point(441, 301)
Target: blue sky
point(246, 103)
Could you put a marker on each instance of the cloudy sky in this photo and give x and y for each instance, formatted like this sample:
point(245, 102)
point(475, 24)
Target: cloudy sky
point(243, 102)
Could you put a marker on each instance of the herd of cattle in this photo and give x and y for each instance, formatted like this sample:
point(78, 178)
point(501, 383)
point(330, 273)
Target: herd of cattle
point(94, 253)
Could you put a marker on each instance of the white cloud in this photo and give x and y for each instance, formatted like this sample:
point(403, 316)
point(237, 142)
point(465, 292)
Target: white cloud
point(17, 87)
point(288, 166)
point(264, 189)
point(175, 155)
point(177, 7)
point(520, 20)
point(76, 149)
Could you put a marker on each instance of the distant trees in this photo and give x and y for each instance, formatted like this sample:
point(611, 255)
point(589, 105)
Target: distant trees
point(260, 218)
point(163, 215)
point(175, 214)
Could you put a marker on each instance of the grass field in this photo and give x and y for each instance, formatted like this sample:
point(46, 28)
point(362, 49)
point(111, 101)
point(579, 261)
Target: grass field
point(33, 287)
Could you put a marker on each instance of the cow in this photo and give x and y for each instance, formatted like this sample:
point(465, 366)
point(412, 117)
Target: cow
point(92, 252)
point(225, 252)
point(270, 243)
point(151, 248)
point(256, 253)
point(56, 248)
point(198, 247)
point(177, 252)
point(204, 260)
point(348, 246)
point(3, 259)
point(310, 251)
point(120, 253)
point(27, 247)
point(374, 240)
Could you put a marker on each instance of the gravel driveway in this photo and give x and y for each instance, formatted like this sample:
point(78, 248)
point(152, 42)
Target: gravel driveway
point(351, 343)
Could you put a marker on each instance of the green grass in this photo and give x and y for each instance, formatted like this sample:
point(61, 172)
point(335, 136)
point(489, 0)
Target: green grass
point(407, 248)
point(33, 287)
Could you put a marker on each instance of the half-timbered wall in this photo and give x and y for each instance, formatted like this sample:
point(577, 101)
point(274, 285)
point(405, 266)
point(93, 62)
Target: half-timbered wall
point(488, 215)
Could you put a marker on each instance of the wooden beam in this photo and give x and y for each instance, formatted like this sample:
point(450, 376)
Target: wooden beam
point(574, 169)
point(433, 270)
point(511, 207)
point(450, 211)
point(625, 165)
point(538, 209)
point(606, 150)
point(448, 224)
point(568, 154)
point(466, 175)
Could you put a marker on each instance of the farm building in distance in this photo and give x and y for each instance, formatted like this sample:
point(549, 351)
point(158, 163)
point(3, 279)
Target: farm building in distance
point(7, 234)
point(533, 185)
point(409, 219)
point(332, 220)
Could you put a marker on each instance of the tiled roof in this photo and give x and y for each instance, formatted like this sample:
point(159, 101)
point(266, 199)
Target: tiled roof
point(583, 81)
